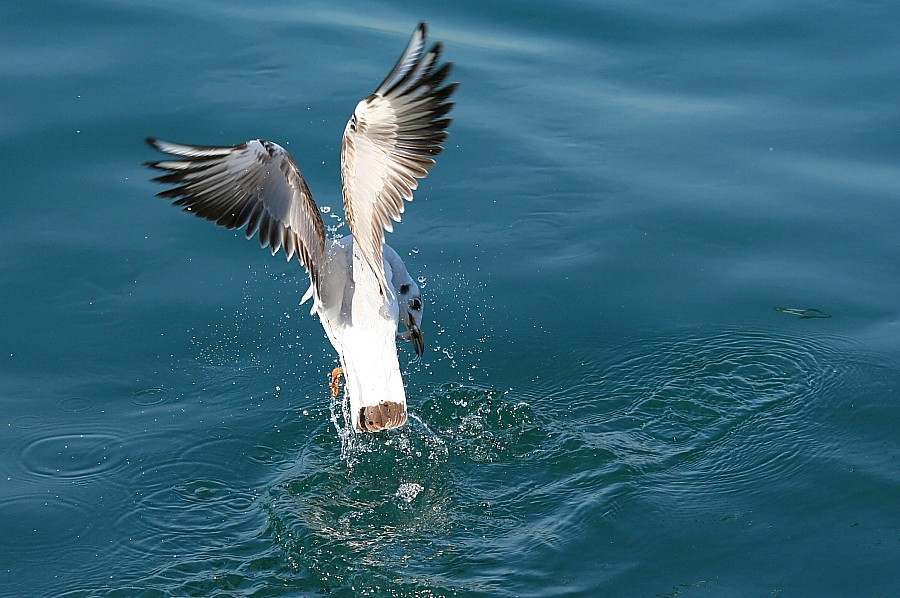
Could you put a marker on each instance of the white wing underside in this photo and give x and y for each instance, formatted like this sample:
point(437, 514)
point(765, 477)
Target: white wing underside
point(390, 141)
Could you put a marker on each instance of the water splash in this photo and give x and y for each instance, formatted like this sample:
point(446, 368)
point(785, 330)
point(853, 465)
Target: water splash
point(408, 491)
point(339, 409)
point(388, 510)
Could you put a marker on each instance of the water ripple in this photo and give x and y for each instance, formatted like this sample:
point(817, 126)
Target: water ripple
point(27, 422)
point(205, 499)
point(682, 423)
point(708, 414)
point(40, 521)
point(77, 456)
point(75, 404)
point(151, 396)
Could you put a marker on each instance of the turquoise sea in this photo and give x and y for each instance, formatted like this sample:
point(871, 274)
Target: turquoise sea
point(661, 261)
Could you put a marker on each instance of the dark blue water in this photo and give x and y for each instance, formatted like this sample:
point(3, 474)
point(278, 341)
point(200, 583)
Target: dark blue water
point(610, 403)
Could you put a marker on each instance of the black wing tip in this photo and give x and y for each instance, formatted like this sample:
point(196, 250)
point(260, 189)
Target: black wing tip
point(174, 193)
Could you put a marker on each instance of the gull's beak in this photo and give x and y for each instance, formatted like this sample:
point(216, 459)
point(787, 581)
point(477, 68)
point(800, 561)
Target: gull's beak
point(416, 336)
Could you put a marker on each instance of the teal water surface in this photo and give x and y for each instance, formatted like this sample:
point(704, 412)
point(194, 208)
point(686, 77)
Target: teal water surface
point(660, 262)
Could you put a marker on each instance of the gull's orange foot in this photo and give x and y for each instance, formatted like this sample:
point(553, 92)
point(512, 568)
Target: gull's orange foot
point(336, 374)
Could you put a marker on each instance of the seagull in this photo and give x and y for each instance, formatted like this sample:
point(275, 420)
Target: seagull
point(359, 286)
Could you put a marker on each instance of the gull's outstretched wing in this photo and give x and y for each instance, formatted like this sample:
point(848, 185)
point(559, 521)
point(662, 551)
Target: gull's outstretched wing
point(390, 141)
point(254, 184)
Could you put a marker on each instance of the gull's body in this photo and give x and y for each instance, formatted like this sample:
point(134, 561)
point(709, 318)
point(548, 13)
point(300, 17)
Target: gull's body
point(360, 287)
point(362, 326)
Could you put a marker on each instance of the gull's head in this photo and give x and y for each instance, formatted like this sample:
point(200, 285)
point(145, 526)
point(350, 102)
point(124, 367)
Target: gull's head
point(411, 307)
